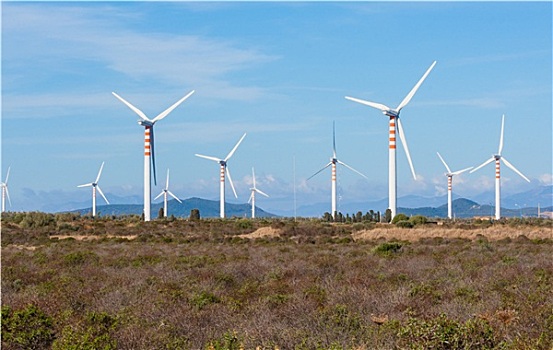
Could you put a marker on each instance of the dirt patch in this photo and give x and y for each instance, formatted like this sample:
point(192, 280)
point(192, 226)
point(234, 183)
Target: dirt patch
point(23, 247)
point(491, 233)
point(262, 232)
point(91, 238)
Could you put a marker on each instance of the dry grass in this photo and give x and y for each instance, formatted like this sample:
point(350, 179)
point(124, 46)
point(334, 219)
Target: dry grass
point(490, 233)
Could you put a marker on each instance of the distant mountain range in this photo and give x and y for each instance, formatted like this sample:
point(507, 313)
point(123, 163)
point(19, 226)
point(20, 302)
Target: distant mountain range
point(207, 208)
point(524, 203)
point(511, 205)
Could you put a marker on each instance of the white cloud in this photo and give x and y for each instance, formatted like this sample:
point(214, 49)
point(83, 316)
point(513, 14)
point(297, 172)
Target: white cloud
point(546, 179)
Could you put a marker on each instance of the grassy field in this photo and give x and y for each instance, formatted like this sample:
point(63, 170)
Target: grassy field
point(76, 283)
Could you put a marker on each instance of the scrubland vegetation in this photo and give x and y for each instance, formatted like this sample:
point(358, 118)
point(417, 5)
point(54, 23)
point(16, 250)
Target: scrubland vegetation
point(119, 283)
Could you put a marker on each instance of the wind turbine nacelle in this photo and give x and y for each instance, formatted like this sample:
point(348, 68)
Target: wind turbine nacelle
point(391, 113)
point(145, 123)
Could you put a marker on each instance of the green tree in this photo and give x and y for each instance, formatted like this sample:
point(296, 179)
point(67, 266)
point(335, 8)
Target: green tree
point(388, 215)
point(160, 213)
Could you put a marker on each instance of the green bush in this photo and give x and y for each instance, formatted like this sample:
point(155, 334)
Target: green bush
point(404, 224)
point(29, 328)
point(399, 217)
point(444, 333)
point(203, 299)
point(418, 220)
point(92, 334)
point(387, 249)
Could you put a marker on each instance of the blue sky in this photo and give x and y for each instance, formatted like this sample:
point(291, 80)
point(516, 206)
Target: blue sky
point(278, 71)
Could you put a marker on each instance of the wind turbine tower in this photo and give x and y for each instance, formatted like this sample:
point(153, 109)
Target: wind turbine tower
point(149, 154)
point(449, 175)
point(166, 192)
point(498, 158)
point(95, 187)
point(252, 196)
point(5, 192)
point(395, 124)
point(333, 161)
point(224, 169)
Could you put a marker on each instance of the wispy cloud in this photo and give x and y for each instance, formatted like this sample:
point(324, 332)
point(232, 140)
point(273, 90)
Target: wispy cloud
point(104, 38)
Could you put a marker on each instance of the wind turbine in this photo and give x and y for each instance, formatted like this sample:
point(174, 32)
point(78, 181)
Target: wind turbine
point(498, 157)
point(5, 192)
point(449, 175)
point(333, 161)
point(394, 119)
point(166, 192)
point(252, 196)
point(95, 187)
point(223, 164)
point(148, 125)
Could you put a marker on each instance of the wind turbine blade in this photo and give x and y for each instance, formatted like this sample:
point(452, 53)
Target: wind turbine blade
point(333, 139)
point(253, 177)
point(404, 142)
point(231, 184)
point(208, 157)
point(170, 109)
point(136, 110)
point(326, 166)
point(172, 195)
point(167, 182)
point(514, 169)
point(482, 165)
point(414, 90)
point(7, 176)
point(152, 149)
point(235, 147)
point(261, 192)
point(501, 137)
point(8, 194)
point(159, 195)
point(102, 194)
point(86, 185)
point(461, 171)
point(379, 106)
point(443, 161)
point(350, 168)
point(251, 196)
point(99, 173)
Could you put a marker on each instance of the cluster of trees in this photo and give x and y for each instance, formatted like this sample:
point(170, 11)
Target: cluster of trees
point(370, 216)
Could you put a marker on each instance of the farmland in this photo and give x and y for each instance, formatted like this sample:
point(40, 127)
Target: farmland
point(72, 282)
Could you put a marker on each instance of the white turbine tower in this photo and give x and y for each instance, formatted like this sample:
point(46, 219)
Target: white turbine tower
point(95, 187)
point(252, 196)
point(5, 192)
point(498, 157)
point(223, 169)
point(166, 192)
point(450, 175)
point(148, 125)
point(333, 161)
point(394, 119)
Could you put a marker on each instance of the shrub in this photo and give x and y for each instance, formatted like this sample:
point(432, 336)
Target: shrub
point(444, 333)
point(229, 341)
point(203, 299)
point(404, 224)
point(92, 334)
point(29, 328)
point(387, 249)
point(418, 220)
point(400, 217)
